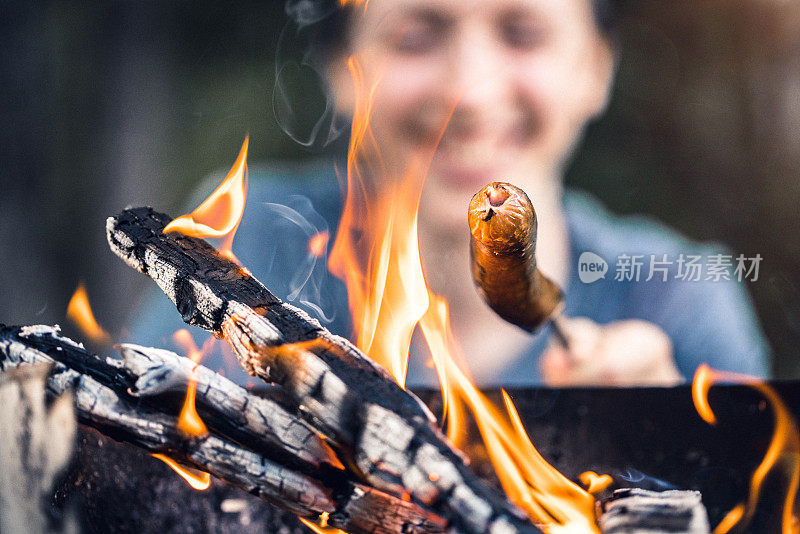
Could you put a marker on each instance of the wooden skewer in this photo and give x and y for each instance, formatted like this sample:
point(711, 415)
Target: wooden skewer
point(558, 331)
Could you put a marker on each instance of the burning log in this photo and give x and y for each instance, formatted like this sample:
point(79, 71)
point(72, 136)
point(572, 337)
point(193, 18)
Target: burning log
point(642, 511)
point(382, 432)
point(261, 423)
point(129, 400)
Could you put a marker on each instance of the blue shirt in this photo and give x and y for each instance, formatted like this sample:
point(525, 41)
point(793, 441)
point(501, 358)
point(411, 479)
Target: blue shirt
point(709, 321)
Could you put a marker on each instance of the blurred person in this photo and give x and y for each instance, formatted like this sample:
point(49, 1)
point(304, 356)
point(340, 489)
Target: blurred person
point(516, 82)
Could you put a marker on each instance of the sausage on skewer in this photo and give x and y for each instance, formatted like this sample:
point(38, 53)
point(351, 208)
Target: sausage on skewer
point(502, 222)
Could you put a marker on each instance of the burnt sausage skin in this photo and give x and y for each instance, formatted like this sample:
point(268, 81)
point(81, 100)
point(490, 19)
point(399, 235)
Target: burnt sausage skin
point(503, 225)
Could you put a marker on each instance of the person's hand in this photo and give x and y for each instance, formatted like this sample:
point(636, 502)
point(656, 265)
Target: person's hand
point(623, 353)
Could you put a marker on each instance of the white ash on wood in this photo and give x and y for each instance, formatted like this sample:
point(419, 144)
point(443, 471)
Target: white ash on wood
point(638, 511)
point(105, 392)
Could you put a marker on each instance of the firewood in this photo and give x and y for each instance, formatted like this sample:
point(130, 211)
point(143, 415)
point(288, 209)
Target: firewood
point(638, 511)
point(383, 433)
point(261, 423)
point(128, 399)
point(37, 442)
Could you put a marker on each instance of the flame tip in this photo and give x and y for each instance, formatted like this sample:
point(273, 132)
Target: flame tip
point(79, 311)
point(199, 480)
point(785, 440)
point(219, 215)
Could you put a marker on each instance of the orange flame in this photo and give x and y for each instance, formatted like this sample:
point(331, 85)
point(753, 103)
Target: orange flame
point(595, 483)
point(435, 327)
point(80, 312)
point(376, 253)
point(189, 421)
point(220, 214)
point(548, 497)
point(379, 219)
point(354, 3)
point(199, 480)
point(323, 527)
point(784, 447)
point(318, 244)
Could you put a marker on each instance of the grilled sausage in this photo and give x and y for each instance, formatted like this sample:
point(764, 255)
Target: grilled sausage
point(502, 222)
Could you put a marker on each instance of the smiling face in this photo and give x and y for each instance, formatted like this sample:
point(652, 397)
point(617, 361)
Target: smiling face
point(520, 77)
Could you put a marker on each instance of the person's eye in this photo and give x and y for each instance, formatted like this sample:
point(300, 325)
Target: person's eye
point(522, 35)
point(417, 39)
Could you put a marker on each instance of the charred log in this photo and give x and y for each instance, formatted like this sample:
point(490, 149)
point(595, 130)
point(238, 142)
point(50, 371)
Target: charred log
point(128, 400)
point(382, 432)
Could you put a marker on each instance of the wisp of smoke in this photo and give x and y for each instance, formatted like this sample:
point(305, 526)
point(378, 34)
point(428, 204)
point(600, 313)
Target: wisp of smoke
point(298, 223)
point(640, 480)
point(302, 102)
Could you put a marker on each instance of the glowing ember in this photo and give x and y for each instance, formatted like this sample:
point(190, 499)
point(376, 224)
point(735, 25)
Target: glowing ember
point(595, 483)
point(318, 244)
point(220, 214)
point(80, 312)
point(189, 421)
point(376, 253)
point(199, 480)
point(783, 451)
